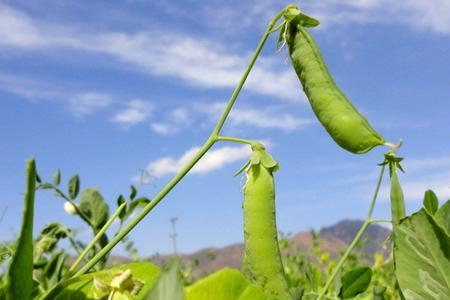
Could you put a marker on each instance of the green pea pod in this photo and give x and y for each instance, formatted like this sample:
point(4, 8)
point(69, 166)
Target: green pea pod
point(396, 195)
point(262, 254)
point(348, 128)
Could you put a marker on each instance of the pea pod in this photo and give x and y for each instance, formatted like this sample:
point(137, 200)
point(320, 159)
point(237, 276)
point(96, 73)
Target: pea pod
point(396, 193)
point(348, 128)
point(262, 254)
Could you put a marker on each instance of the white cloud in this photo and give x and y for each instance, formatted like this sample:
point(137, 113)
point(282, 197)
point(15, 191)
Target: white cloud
point(268, 118)
point(137, 111)
point(163, 128)
point(176, 120)
point(213, 160)
point(28, 88)
point(199, 62)
point(180, 116)
point(433, 15)
point(85, 104)
point(16, 29)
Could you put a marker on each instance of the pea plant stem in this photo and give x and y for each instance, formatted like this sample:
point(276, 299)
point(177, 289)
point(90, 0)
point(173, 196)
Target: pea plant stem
point(234, 140)
point(206, 146)
point(358, 236)
point(96, 238)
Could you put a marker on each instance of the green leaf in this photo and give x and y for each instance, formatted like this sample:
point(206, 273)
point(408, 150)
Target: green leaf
point(291, 14)
point(280, 41)
point(226, 284)
point(57, 177)
point(169, 285)
point(133, 192)
point(53, 271)
point(422, 258)
point(354, 282)
point(139, 202)
point(83, 287)
point(442, 216)
point(120, 201)
point(94, 207)
point(46, 186)
point(74, 186)
point(20, 273)
point(49, 237)
point(430, 202)
point(307, 21)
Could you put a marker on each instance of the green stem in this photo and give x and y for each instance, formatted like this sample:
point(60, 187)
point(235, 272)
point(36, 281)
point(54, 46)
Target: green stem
point(237, 90)
point(97, 238)
point(278, 27)
point(234, 140)
point(380, 221)
point(356, 239)
point(206, 146)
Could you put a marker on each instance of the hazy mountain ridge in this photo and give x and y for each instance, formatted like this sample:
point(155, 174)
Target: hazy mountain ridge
point(332, 239)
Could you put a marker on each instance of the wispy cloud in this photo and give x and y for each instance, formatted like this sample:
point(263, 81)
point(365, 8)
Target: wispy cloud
point(267, 118)
point(176, 120)
point(85, 104)
point(432, 15)
point(28, 88)
point(197, 61)
point(137, 111)
point(215, 159)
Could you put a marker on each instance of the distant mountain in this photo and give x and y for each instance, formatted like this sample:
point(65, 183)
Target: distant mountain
point(332, 239)
point(375, 236)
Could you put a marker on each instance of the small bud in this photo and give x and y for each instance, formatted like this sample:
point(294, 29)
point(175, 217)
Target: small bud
point(70, 208)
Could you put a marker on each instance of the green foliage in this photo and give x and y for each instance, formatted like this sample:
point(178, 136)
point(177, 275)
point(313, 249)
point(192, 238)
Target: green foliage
point(74, 186)
point(135, 286)
point(226, 284)
point(430, 202)
point(19, 284)
point(169, 285)
point(355, 282)
point(442, 216)
point(422, 258)
point(94, 207)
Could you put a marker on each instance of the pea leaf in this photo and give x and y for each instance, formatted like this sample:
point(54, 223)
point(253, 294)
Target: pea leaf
point(226, 284)
point(133, 192)
point(19, 280)
point(169, 285)
point(442, 216)
point(57, 177)
point(430, 202)
point(120, 201)
point(94, 207)
point(74, 186)
point(354, 282)
point(422, 257)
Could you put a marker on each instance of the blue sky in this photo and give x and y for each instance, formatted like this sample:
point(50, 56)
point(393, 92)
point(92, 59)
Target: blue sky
point(108, 90)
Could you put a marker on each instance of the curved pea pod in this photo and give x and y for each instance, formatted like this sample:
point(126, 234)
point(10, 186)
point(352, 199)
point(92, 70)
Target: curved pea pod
point(262, 254)
point(348, 128)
